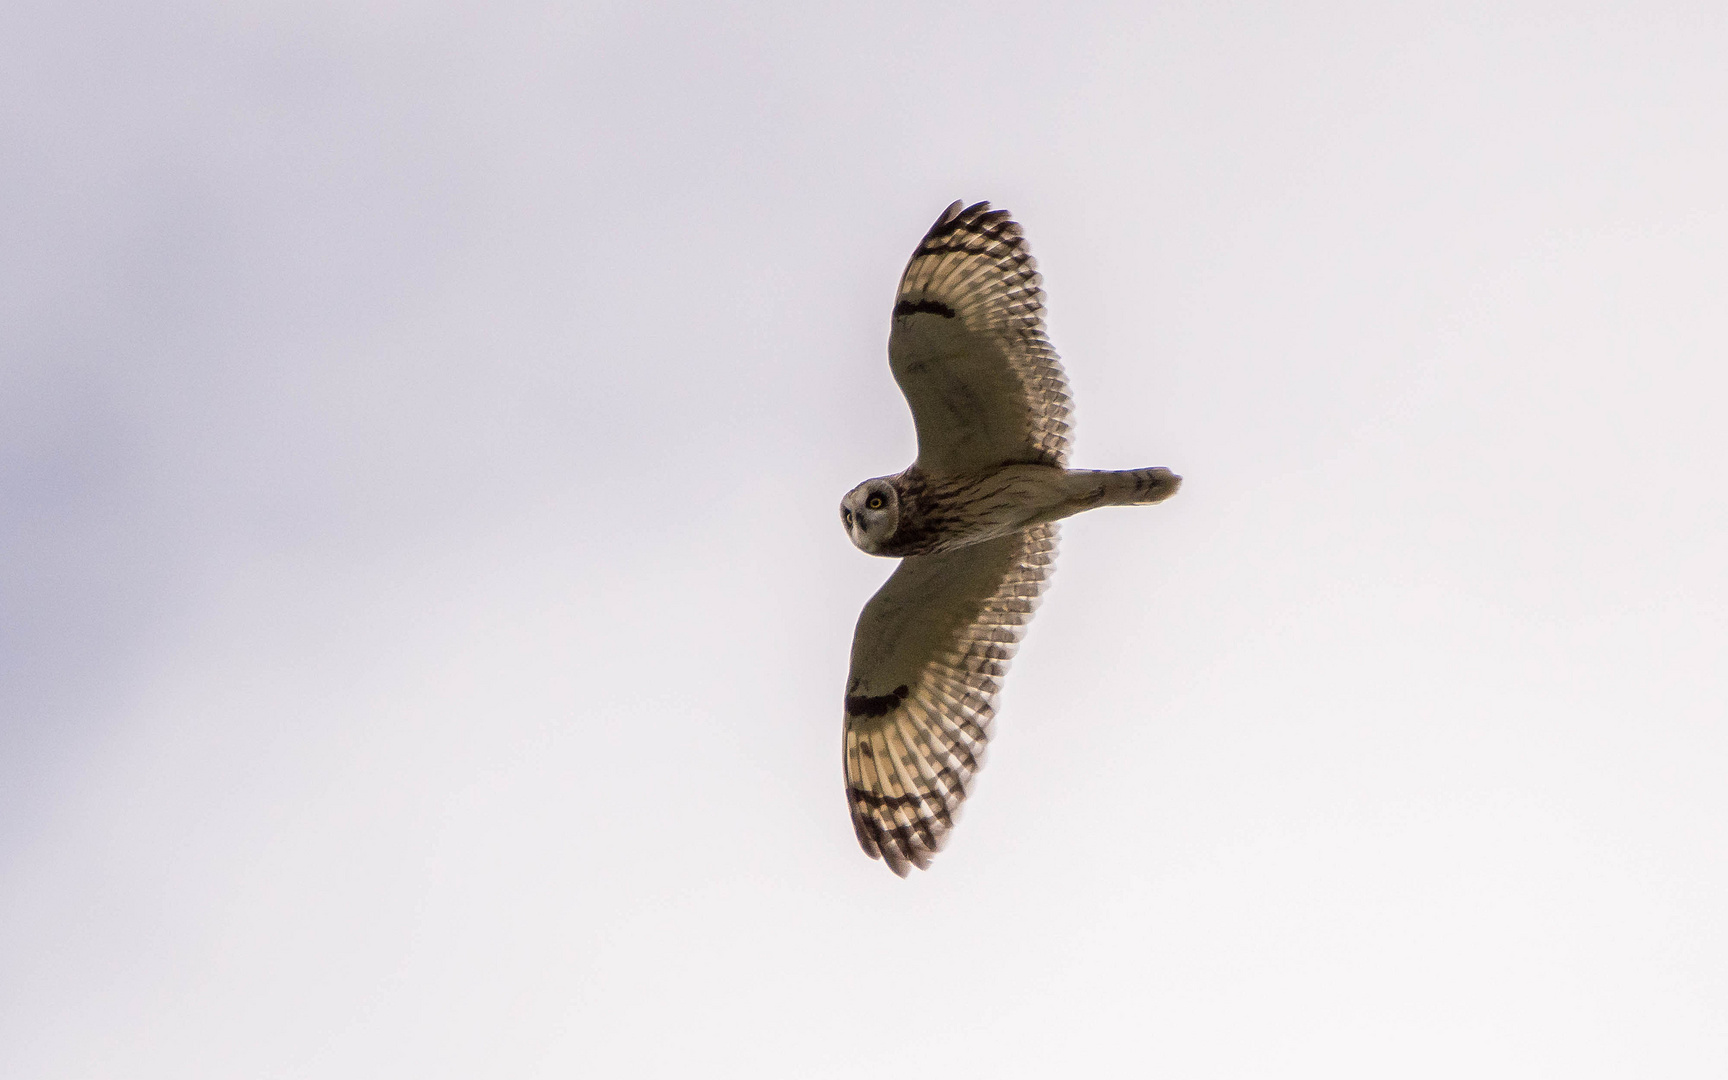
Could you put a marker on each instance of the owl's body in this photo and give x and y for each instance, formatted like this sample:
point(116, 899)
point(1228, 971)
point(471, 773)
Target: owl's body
point(973, 520)
point(944, 512)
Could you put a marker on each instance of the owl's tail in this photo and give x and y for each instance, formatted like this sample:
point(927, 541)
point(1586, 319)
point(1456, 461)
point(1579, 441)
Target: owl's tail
point(1130, 487)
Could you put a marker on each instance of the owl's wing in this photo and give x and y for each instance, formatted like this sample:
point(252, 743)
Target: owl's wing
point(928, 659)
point(968, 347)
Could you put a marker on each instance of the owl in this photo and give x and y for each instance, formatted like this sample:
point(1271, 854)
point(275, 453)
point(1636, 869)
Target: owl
point(972, 521)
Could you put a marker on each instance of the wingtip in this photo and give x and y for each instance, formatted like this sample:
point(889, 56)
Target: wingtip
point(960, 215)
point(895, 856)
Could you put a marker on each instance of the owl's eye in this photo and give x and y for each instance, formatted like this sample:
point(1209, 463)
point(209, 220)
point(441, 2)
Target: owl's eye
point(876, 502)
point(846, 516)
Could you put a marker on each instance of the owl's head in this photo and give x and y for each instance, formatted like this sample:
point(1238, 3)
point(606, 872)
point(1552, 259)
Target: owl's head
point(871, 513)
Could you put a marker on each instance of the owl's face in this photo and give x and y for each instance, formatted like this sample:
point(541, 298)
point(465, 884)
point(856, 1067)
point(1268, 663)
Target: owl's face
point(871, 513)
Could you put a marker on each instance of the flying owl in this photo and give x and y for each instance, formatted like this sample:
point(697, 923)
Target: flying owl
point(973, 522)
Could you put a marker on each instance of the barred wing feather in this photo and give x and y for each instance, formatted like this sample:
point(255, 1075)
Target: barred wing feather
point(968, 347)
point(928, 658)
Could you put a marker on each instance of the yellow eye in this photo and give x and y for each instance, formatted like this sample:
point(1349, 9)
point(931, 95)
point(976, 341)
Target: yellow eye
point(875, 502)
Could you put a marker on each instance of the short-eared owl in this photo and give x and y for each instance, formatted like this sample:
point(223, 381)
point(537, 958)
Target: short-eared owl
point(973, 521)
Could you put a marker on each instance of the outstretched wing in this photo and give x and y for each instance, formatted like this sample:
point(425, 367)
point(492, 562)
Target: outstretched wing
point(928, 659)
point(968, 347)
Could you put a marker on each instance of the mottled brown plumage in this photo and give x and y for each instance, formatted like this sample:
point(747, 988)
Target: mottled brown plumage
point(973, 521)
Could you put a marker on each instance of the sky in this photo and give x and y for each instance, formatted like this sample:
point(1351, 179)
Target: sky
point(424, 613)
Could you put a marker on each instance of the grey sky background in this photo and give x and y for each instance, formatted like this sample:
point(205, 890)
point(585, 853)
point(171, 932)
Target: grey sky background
point(423, 611)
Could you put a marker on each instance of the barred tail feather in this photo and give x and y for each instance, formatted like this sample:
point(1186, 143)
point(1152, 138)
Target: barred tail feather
point(1130, 487)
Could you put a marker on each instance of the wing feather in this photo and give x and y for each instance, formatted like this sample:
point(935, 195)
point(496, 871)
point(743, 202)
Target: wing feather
point(928, 657)
point(969, 351)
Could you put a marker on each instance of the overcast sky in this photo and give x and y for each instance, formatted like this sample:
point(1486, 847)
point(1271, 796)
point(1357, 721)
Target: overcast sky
point(424, 613)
